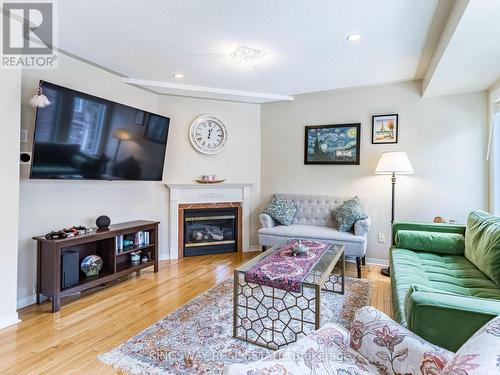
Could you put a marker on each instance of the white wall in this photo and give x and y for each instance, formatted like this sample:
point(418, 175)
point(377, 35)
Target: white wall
point(10, 94)
point(47, 205)
point(238, 162)
point(445, 139)
point(493, 132)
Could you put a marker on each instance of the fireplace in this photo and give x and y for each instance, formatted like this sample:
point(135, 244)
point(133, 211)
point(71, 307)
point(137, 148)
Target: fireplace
point(210, 231)
point(212, 228)
point(187, 196)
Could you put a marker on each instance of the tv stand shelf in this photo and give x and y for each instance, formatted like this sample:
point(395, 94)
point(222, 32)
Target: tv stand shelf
point(131, 249)
point(101, 242)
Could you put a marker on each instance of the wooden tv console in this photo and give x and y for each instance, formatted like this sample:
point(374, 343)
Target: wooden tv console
point(100, 242)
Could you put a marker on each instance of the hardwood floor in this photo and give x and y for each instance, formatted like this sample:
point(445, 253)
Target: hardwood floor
point(68, 342)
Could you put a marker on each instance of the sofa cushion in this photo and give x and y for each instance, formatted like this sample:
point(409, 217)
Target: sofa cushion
point(311, 231)
point(482, 243)
point(449, 273)
point(443, 243)
point(348, 213)
point(281, 210)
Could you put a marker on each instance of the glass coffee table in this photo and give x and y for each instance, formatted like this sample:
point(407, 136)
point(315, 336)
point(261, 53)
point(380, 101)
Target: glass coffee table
point(272, 317)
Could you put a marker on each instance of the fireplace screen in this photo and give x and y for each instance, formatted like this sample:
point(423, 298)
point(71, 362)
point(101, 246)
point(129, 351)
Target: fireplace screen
point(210, 231)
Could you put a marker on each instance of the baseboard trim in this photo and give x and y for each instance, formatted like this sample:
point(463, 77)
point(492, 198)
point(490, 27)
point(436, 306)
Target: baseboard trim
point(26, 301)
point(372, 261)
point(377, 262)
point(9, 320)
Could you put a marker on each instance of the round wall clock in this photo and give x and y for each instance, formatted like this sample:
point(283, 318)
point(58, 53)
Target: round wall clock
point(208, 134)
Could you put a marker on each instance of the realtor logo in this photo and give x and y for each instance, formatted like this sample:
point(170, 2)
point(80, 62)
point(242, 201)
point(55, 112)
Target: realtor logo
point(28, 32)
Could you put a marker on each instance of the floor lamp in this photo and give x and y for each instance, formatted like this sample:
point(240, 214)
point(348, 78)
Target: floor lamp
point(393, 163)
point(122, 135)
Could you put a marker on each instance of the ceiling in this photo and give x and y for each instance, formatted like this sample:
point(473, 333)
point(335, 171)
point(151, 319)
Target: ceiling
point(470, 56)
point(303, 42)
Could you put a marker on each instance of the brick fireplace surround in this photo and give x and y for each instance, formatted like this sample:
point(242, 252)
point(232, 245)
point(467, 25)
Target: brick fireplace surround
point(190, 196)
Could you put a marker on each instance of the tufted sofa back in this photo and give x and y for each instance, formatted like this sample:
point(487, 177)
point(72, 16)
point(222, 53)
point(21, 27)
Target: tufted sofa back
point(317, 209)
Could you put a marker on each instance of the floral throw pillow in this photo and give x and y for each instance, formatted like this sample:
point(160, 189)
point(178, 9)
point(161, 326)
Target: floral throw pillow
point(393, 349)
point(348, 213)
point(479, 355)
point(281, 210)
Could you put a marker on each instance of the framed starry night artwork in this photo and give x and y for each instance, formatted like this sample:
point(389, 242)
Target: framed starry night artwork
point(332, 144)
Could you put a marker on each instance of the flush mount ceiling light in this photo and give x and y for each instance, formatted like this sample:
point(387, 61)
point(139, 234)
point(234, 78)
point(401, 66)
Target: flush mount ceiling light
point(178, 76)
point(353, 37)
point(246, 56)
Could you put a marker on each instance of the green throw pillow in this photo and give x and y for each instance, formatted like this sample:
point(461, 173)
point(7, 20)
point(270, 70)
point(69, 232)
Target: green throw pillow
point(348, 213)
point(443, 243)
point(482, 243)
point(281, 210)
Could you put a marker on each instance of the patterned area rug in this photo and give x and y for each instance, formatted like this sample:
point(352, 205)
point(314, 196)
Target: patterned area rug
point(197, 337)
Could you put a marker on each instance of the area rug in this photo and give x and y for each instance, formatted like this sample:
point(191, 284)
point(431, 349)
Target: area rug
point(197, 337)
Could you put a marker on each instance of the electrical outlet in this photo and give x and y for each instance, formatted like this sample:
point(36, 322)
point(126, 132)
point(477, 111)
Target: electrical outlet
point(381, 238)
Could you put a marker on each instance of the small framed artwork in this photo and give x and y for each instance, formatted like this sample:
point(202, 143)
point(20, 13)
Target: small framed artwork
point(157, 129)
point(332, 144)
point(139, 117)
point(385, 129)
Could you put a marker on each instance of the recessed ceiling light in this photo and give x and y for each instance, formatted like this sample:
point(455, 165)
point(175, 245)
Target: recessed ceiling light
point(178, 76)
point(246, 56)
point(353, 37)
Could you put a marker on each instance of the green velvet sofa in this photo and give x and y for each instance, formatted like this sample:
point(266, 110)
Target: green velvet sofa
point(445, 278)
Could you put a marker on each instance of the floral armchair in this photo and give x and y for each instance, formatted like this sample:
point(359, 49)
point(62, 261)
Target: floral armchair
point(378, 345)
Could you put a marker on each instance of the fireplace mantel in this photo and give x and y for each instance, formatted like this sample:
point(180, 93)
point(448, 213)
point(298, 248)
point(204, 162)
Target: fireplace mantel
point(225, 192)
point(209, 186)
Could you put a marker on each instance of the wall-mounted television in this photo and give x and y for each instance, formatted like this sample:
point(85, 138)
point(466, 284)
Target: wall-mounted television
point(81, 136)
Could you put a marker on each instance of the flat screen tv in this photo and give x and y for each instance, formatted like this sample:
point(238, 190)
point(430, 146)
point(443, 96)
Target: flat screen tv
point(81, 136)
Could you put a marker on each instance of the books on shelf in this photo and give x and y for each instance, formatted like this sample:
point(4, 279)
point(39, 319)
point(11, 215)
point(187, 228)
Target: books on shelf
point(139, 239)
point(119, 243)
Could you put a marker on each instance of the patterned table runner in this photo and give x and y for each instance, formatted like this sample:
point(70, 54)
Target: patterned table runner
point(284, 271)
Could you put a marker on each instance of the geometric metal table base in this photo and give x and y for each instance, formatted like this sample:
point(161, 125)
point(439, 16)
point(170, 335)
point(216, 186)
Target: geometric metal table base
point(272, 317)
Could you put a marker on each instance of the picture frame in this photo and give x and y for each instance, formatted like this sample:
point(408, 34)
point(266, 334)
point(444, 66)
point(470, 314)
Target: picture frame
point(385, 129)
point(157, 129)
point(337, 144)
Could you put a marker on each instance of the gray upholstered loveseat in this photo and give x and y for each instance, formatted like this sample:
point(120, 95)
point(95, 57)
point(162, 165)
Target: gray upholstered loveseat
point(314, 220)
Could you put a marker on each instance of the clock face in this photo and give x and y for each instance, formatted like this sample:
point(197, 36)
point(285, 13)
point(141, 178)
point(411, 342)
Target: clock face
point(208, 134)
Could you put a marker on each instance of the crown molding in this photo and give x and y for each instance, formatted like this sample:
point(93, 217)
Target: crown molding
point(172, 88)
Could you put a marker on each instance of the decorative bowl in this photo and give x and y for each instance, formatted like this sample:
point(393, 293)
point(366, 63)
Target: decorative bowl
point(200, 181)
point(91, 265)
point(128, 243)
point(299, 248)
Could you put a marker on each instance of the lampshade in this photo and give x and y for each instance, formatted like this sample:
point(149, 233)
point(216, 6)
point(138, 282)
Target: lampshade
point(122, 134)
point(394, 162)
